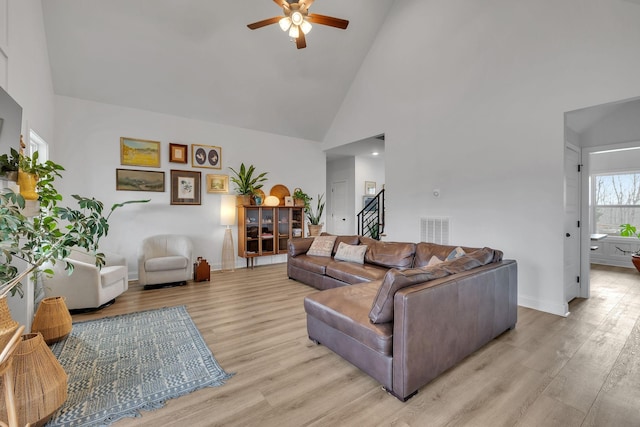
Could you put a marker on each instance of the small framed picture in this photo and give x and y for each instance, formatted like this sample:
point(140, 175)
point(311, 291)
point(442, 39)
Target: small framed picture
point(288, 201)
point(206, 156)
point(369, 203)
point(139, 180)
point(217, 183)
point(139, 152)
point(185, 187)
point(370, 188)
point(178, 153)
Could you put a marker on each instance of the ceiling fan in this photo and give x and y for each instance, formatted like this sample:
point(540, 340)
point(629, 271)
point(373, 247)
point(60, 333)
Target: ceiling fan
point(297, 20)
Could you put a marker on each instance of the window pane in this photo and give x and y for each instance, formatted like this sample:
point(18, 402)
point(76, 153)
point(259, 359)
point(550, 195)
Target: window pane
point(609, 218)
point(622, 189)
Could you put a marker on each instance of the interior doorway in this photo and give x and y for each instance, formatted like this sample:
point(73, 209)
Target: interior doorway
point(613, 125)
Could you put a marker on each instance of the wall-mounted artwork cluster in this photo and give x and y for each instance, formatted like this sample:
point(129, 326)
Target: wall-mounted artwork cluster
point(185, 184)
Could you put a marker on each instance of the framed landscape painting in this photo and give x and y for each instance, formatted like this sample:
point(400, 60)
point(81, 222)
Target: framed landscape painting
point(139, 152)
point(139, 180)
point(185, 187)
point(217, 183)
point(206, 156)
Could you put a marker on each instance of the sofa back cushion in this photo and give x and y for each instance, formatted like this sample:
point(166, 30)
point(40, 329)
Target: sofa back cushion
point(394, 280)
point(389, 254)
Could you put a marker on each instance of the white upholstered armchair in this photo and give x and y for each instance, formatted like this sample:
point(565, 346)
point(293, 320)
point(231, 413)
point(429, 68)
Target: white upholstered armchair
point(165, 260)
point(88, 286)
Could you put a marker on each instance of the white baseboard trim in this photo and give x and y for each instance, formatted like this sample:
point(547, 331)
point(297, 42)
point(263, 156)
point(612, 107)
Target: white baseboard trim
point(559, 309)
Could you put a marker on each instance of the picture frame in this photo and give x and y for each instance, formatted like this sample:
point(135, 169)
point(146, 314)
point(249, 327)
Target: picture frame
point(185, 187)
point(217, 183)
point(370, 188)
point(139, 152)
point(365, 202)
point(139, 180)
point(288, 201)
point(178, 153)
point(206, 156)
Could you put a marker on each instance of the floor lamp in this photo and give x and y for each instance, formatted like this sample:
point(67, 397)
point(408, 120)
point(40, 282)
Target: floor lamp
point(228, 218)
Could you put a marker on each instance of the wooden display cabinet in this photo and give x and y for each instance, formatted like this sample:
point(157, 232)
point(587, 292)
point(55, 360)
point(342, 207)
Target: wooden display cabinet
point(265, 230)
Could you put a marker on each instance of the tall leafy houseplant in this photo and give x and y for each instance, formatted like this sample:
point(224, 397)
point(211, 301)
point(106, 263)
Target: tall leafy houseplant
point(315, 227)
point(245, 182)
point(628, 230)
point(51, 233)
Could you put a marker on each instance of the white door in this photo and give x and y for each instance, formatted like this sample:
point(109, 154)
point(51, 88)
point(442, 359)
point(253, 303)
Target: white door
point(340, 220)
point(571, 222)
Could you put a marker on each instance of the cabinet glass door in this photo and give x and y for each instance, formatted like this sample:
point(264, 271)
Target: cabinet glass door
point(252, 227)
point(267, 231)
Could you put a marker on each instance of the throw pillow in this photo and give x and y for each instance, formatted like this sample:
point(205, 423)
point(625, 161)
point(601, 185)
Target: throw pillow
point(322, 246)
point(434, 261)
point(456, 253)
point(351, 253)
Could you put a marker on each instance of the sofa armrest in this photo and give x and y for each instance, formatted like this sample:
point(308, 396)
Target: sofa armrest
point(299, 246)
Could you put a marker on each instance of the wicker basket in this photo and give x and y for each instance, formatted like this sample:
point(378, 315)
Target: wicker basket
point(52, 320)
point(40, 383)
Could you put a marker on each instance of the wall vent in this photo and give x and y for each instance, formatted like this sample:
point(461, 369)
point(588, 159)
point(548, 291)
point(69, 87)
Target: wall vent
point(435, 230)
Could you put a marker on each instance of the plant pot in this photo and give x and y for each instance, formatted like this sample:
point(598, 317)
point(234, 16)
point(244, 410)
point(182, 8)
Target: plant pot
point(243, 199)
point(52, 320)
point(635, 259)
point(40, 382)
point(314, 229)
point(27, 183)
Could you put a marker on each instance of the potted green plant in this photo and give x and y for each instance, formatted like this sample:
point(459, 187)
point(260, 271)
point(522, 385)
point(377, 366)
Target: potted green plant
point(315, 226)
point(35, 177)
point(628, 230)
point(52, 231)
point(300, 198)
point(9, 165)
point(246, 183)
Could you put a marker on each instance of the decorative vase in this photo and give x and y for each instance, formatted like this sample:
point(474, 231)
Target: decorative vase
point(52, 320)
point(27, 183)
point(7, 324)
point(314, 229)
point(635, 259)
point(40, 383)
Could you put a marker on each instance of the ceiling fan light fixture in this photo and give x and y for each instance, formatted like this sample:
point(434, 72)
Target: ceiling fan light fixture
point(305, 27)
point(294, 32)
point(297, 18)
point(285, 23)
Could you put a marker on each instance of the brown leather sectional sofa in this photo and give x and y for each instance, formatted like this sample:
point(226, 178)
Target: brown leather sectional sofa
point(398, 319)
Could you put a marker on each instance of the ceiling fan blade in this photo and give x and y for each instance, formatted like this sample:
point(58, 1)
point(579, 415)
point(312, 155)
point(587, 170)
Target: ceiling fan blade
point(306, 4)
point(301, 41)
point(264, 23)
point(328, 20)
point(282, 3)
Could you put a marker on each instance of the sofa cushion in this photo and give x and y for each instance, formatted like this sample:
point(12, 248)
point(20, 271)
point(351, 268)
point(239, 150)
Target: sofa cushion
point(312, 264)
point(352, 273)
point(434, 261)
point(389, 254)
point(351, 253)
point(425, 251)
point(164, 263)
point(322, 246)
point(382, 307)
point(346, 309)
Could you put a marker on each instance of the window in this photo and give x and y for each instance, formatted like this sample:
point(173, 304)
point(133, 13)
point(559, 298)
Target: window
point(615, 200)
point(38, 144)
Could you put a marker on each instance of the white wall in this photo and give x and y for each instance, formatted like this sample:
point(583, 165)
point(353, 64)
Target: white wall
point(473, 97)
point(89, 148)
point(28, 81)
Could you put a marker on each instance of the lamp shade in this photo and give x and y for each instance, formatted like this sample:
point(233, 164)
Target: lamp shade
point(228, 210)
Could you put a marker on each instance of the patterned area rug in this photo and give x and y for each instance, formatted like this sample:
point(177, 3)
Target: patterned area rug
point(122, 364)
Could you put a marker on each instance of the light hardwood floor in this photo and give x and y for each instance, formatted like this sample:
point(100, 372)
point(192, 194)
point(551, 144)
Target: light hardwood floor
point(583, 370)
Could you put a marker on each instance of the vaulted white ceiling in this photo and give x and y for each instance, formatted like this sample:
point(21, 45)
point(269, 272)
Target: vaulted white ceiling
point(198, 59)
